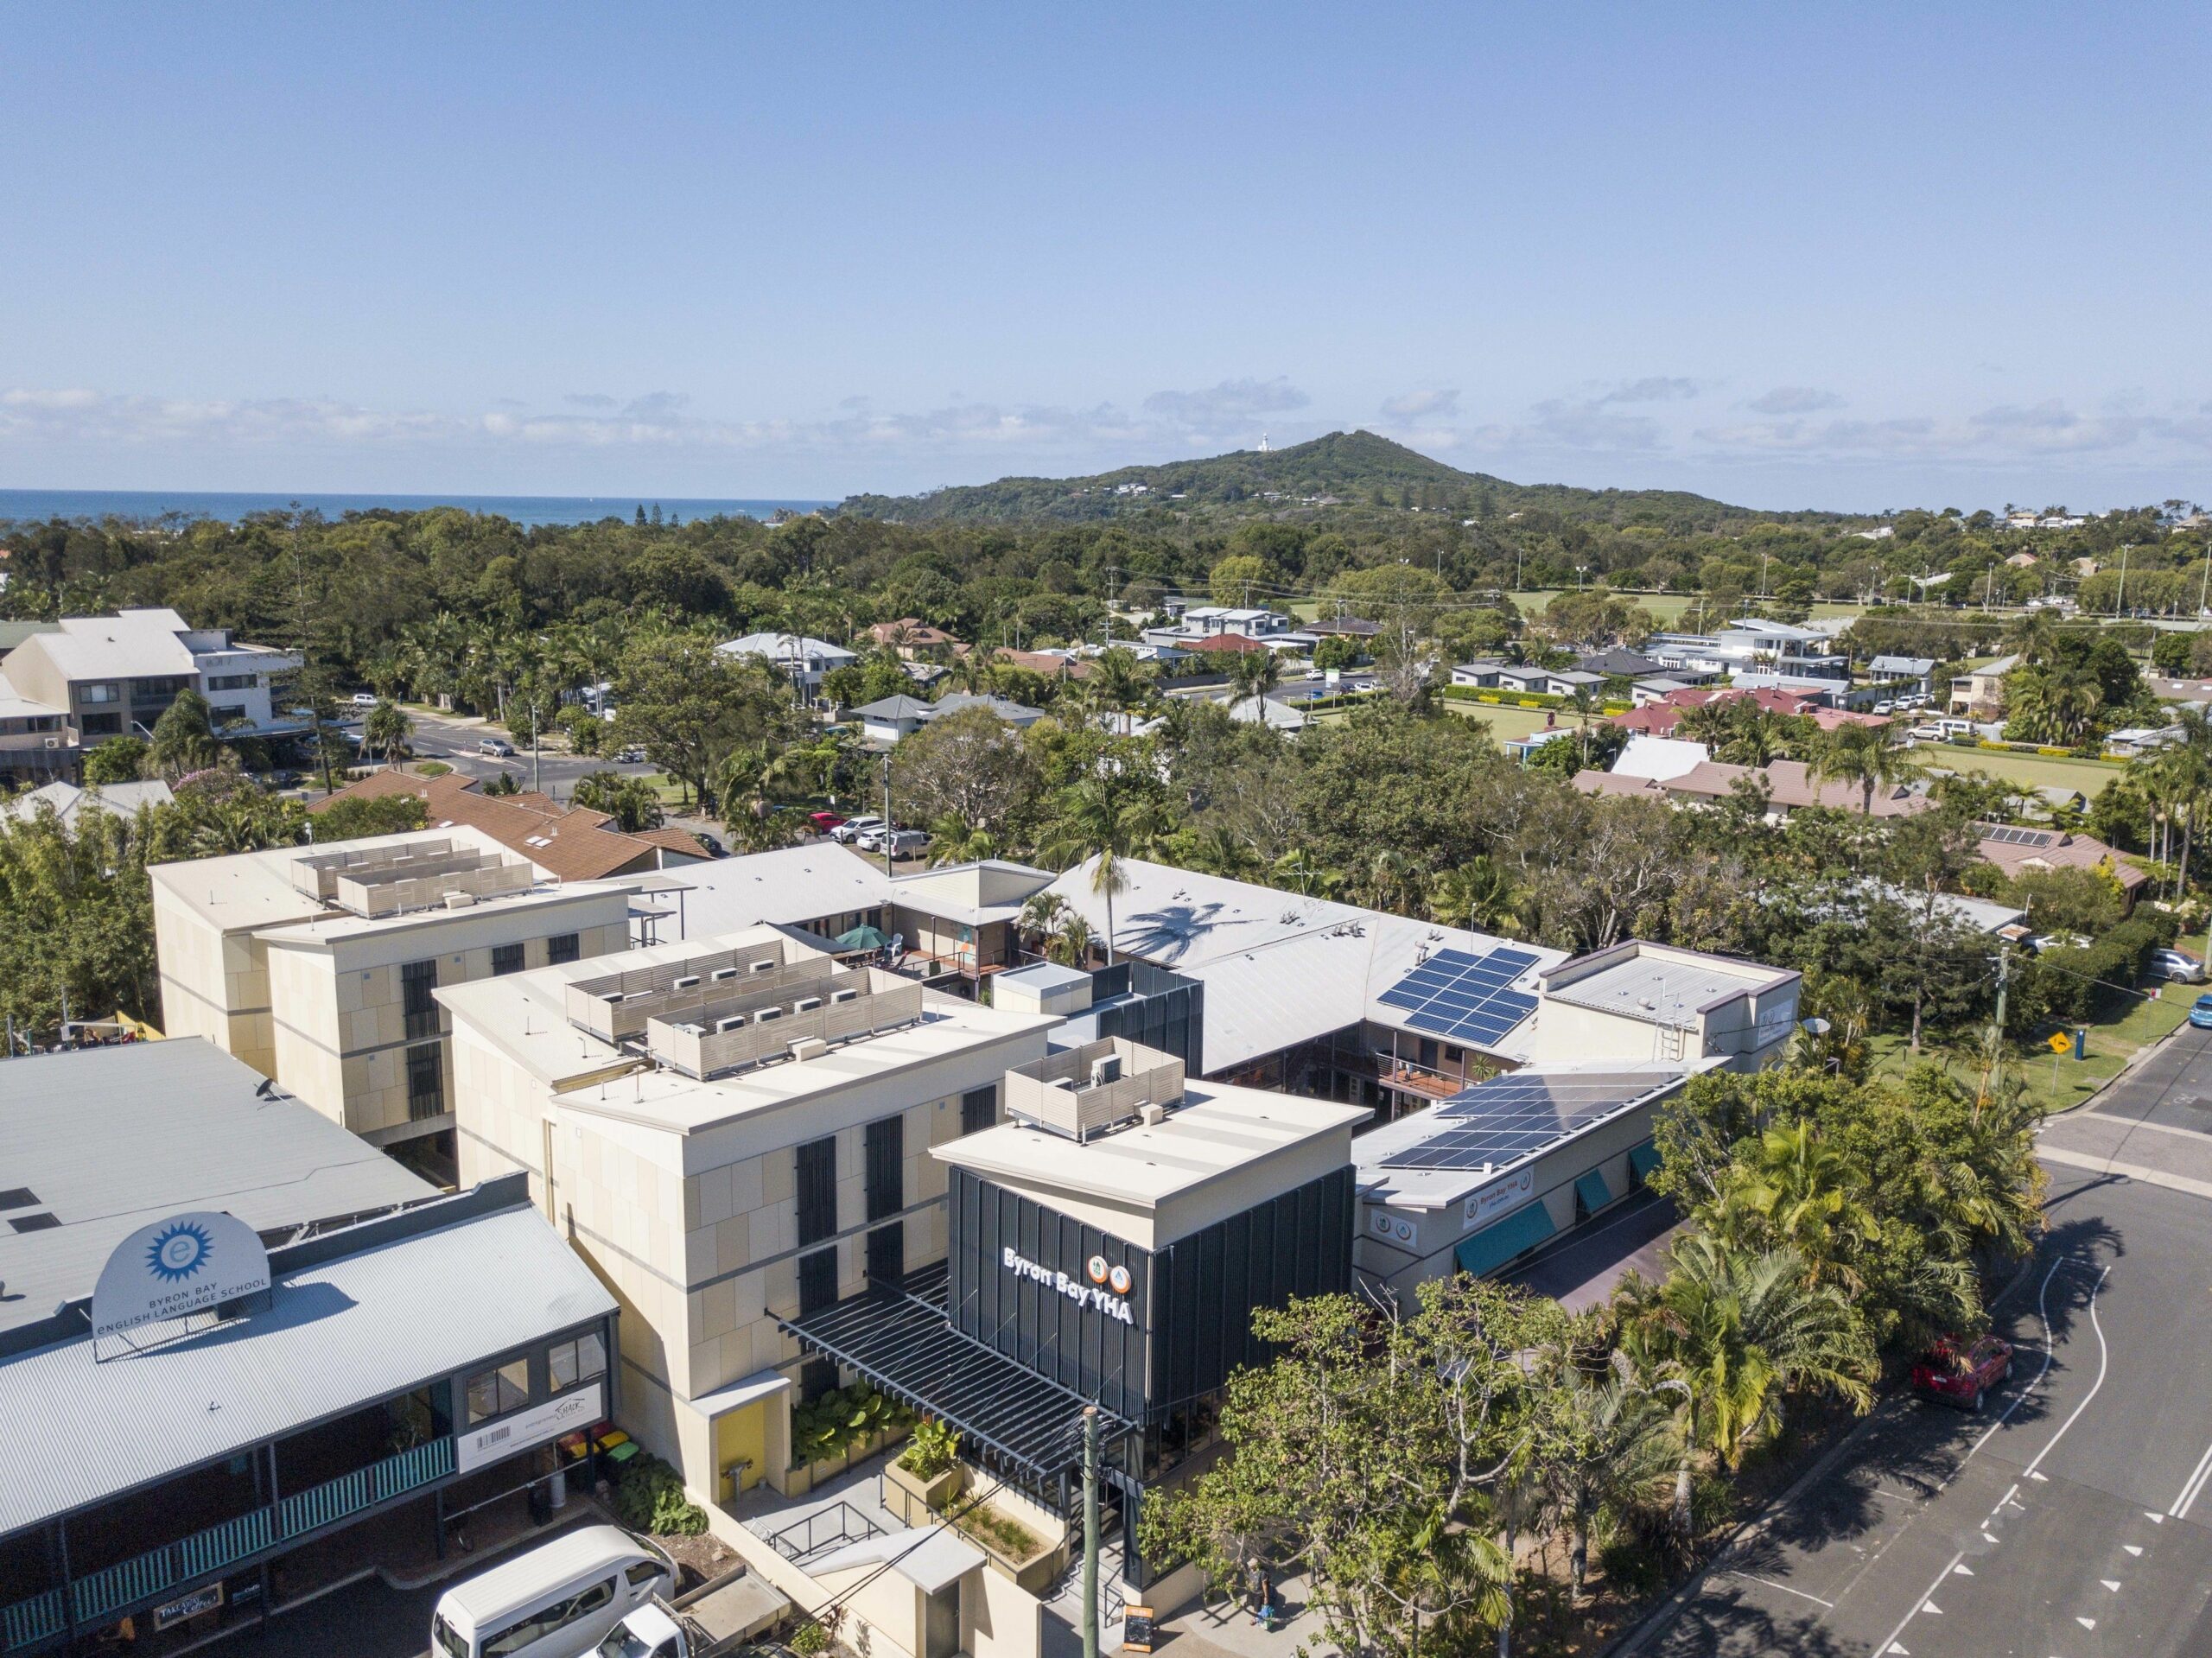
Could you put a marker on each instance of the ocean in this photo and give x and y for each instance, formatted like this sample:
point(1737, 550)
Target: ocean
point(37, 505)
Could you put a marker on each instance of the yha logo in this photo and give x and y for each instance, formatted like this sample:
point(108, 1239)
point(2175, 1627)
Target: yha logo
point(1108, 1300)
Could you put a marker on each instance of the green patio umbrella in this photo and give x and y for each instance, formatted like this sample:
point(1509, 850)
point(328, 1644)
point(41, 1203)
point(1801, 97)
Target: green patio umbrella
point(862, 938)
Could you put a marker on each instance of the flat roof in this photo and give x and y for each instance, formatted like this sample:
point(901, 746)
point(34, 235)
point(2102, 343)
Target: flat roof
point(1661, 985)
point(337, 1335)
point(524, 1015)
point(1217, 1129)
point(108, 1140)
point(1484, 1132)
point(1279, 967)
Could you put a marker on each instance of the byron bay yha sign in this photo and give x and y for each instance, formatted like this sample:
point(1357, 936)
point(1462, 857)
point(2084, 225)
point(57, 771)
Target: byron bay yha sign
point(186, 1264)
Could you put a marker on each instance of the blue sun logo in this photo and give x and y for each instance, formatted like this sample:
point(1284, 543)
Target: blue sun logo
point(179, 1252)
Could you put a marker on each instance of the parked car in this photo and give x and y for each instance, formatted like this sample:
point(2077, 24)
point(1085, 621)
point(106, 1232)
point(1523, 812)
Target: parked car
point(850, 832)
point(1885, 706)
point(633, 755)
point(498, 748)
point(283, 777)
point(2201, 1014)
point(824, 822)
point(1960, 1373)
point(709, 845)
point(1926, 733)
point(2172, 964)
point(2060, 941)
point(364, 699)
point(904, 843)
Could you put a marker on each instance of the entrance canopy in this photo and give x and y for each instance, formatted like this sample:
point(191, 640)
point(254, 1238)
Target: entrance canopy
point(902, 1343)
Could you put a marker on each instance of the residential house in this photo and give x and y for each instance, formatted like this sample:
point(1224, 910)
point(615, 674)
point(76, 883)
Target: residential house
point(890, 720)
point(1201, 622)
point(1659, 716)
point(1344, 627)
point(1978, 693)
point(69, 803)
point(1788, 783)
point(569, 842)
point(1526, 679)
point(802, 660)
point(2134, 742)
point(1271, 712)
point(90, 677)
point(2017, 850)
point(910, 637)
point(1901, 673)
point(1619, 663)
point(1053, 665)
point(317, 966)
point(1752, 646)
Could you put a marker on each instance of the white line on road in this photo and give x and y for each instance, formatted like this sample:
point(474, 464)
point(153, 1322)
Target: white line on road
point(1748, 1578)
point(2042, 1317)
point(1889, 1642)
point(2104, 1363)
point(2192, 1486)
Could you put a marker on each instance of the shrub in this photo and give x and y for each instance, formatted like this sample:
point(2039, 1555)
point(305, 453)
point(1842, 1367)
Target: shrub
point(824, 1428)
point(649, 1496)
point(932, 1449)
point(809, 1638)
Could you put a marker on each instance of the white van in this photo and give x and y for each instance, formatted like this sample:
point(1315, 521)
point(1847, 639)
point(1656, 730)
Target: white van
point(556, 1601)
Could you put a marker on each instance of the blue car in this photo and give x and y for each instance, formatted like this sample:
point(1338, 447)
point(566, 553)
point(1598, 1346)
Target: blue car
point(2200, 1015)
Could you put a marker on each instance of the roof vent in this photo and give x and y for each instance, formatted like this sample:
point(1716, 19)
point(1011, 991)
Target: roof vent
point(1152, 1115)
point(460, 900)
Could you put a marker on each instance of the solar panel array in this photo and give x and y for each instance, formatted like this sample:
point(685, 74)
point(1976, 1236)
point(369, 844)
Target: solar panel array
point(2011, 834)
point(1507, 1118)
point(1465, 998)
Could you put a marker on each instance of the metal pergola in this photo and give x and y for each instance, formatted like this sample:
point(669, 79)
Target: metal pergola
point(1016, 1420)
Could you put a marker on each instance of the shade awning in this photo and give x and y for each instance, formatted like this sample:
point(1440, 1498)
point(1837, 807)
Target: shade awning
point(862, 938)
point(1492, 1247)
point(903, 1344)
point(1594, 1191)
point(1643, 1159)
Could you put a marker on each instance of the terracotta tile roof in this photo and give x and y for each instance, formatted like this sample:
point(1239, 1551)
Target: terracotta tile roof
point(1226, 644)
point(2054, 849)
point(1610, 783)
point(1659, 718)
point(1036, 662)
point(574, 842)
point(1790, 787)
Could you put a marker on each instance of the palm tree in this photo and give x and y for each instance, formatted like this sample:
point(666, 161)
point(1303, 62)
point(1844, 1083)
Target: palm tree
point(1218, 850)
point(1253, 677)
point(1796, 1191)
point(1108, 817)
point(1298, 868)
point(1479, 895)
point(2032, 637)
point(387, 729)
point(2051, 705)
point(971, 670)
point(1864, 756)
point(953, 840)
point(1742, 1331)
point(1622, 1440)
point(1118, 682)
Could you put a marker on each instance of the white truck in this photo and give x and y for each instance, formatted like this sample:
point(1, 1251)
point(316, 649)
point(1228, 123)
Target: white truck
point(712, 1622)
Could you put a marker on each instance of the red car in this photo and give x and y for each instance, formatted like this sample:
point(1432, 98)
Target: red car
point(1960, 1374)
point(823, 822)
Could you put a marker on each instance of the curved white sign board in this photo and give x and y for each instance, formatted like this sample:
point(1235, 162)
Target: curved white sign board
point(186, 1264)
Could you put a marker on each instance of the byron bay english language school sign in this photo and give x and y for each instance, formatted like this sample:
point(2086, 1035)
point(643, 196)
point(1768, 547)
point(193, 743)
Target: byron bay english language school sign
point(186, 1264)
point(1107, 1292)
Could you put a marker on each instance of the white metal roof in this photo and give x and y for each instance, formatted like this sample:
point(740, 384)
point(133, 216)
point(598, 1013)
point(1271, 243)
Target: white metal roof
point(123, 799)
point(1664, 986)
point(336, 1336)
point(785, 648)
point(1279, 968)
point(128, 645)
point(930, 1559)
point(109, 1140)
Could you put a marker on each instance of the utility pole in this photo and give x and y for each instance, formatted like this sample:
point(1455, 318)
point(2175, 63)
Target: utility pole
point(2003, 979)
point(2204, 587)
point(888, 829)
point(2120, 598)
point(1090, 1531)
point(535, 787)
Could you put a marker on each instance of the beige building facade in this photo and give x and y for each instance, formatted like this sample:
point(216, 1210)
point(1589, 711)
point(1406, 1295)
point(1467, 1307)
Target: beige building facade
point(317, 966)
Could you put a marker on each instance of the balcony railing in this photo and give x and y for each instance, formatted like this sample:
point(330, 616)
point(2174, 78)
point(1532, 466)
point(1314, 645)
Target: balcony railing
point(207, 1553)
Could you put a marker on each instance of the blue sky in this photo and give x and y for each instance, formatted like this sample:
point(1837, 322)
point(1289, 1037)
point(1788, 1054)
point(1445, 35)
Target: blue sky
point(1856, 255)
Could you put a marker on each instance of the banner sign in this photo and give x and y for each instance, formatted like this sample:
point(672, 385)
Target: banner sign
point(579, 1408)
point(188, 1263)
point(1494, 1200)
point(1107, 1292)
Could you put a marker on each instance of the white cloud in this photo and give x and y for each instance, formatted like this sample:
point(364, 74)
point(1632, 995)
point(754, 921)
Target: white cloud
point(1440, 403)
point(1795, 400)
point(1232, 403)
point(1657, 388)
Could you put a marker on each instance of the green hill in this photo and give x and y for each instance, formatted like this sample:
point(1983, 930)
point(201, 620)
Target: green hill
point(1345, 471)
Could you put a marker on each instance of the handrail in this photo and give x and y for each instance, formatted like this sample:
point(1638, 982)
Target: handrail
point(846, 1515)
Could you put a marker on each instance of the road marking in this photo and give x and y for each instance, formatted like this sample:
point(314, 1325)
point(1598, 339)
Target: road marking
point(2191, 1486)
point(2111, 1584)
point(2042, 1317)
point(2155, 1519)
point(2104, 1363)
point(1963, 1569)
point(1931, 1607)
point(1785, 1589)
point(2159, 1128)
point(2011, 1492)
point(2135, 1549)
point(2131, 1170)
point(1890, 1644)
point(2087, 1622)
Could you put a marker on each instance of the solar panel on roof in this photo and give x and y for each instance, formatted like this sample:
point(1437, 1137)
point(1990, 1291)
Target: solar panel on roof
point(1508, 1117)
point(1465, 996)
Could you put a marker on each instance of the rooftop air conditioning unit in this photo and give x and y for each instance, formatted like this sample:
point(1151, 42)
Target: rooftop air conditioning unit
point(1107, 1067)
point(688, 981)
point(723, 972)
point(844, 996)
point(1152, 1115)
point(689, 1029)
point(767, 1014)
point(766, 965)
point(731, 1022)
point(460, 900)
point(808, 1047)
point(806, 1004)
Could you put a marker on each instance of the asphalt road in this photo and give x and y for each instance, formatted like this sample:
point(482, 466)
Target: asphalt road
point(2066, 1521)
point(454, 740)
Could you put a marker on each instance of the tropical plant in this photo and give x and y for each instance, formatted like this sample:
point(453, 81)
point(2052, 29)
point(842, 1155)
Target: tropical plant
point(932, 1450)
point(183, 741)
point(1480, 895)
point(630, 801)
point(1253, 677)
point(1864, 757)
point(1109, 817)
point(387, 729)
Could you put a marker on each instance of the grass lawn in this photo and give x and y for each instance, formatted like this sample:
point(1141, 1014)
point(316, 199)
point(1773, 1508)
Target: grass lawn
point(2055, 1081)
point(1507, 723)
point(2036, 770)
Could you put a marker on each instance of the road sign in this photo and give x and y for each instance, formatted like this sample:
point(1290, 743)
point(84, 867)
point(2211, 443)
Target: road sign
point(2059, 1042)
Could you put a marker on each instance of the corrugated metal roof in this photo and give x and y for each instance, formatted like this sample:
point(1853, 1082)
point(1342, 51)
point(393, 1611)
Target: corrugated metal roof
point(109, 1140)
point(338, 1336)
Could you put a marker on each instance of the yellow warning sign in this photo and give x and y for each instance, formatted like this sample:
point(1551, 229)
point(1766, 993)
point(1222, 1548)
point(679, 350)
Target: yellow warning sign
point(2061, 1043)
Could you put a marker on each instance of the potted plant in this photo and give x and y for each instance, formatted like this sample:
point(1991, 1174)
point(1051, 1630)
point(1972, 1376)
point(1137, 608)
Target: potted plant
point(928, 1474)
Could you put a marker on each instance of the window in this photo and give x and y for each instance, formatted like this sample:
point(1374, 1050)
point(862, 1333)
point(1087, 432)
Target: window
point(817, 1281)
point(887, 1173)
point(506, 959)
point(561, 947)
point(426, 1081)
point(549, 1620)
point(416, 981)
point(103, 725)
point(887, 1254)
point(569, 1362)
point(110, 692)
point(979, 1109)
point(230, 681)
point(638, 1573)
point(817, 1189)
point(222, 714)
point(494, 1393)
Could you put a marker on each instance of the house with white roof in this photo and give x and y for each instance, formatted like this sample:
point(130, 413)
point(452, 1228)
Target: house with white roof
point(802, 660)
point(1750, 644)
